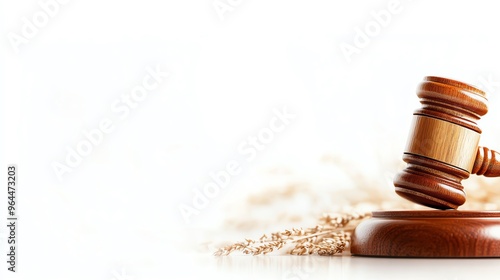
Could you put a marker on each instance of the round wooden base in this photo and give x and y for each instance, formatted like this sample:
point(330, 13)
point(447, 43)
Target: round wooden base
point(431, 233)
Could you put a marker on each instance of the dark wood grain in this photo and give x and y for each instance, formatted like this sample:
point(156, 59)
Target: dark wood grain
point(431, 233)
point(431, 183)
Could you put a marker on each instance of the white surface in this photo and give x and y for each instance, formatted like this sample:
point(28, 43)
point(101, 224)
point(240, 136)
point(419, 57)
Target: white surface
point(346, 267)
point(338, 267)
point(118, 208)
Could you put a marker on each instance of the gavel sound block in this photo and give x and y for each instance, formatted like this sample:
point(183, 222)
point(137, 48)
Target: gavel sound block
point(442, 150)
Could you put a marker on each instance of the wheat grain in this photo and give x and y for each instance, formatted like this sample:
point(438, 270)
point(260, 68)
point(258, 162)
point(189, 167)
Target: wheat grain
point(331, 236)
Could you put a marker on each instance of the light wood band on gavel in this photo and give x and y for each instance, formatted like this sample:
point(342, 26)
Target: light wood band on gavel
point(452, 144)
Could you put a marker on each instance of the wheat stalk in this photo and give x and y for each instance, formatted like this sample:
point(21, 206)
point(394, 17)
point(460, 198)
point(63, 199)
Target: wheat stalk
point(331, 236)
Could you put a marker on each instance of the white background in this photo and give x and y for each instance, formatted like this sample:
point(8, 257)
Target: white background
point(119, 208)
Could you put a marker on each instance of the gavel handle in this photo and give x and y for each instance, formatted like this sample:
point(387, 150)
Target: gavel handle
point(487, 163)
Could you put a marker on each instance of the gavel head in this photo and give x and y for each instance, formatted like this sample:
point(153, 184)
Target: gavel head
point(442, 144)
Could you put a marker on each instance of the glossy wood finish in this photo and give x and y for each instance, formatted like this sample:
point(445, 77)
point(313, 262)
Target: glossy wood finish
point(487, 163)
point(431, 183)
point(431, 233)
point(433, 176)
point(452, 101)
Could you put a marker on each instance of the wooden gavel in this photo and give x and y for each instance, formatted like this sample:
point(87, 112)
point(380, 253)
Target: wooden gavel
point(442, 147)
